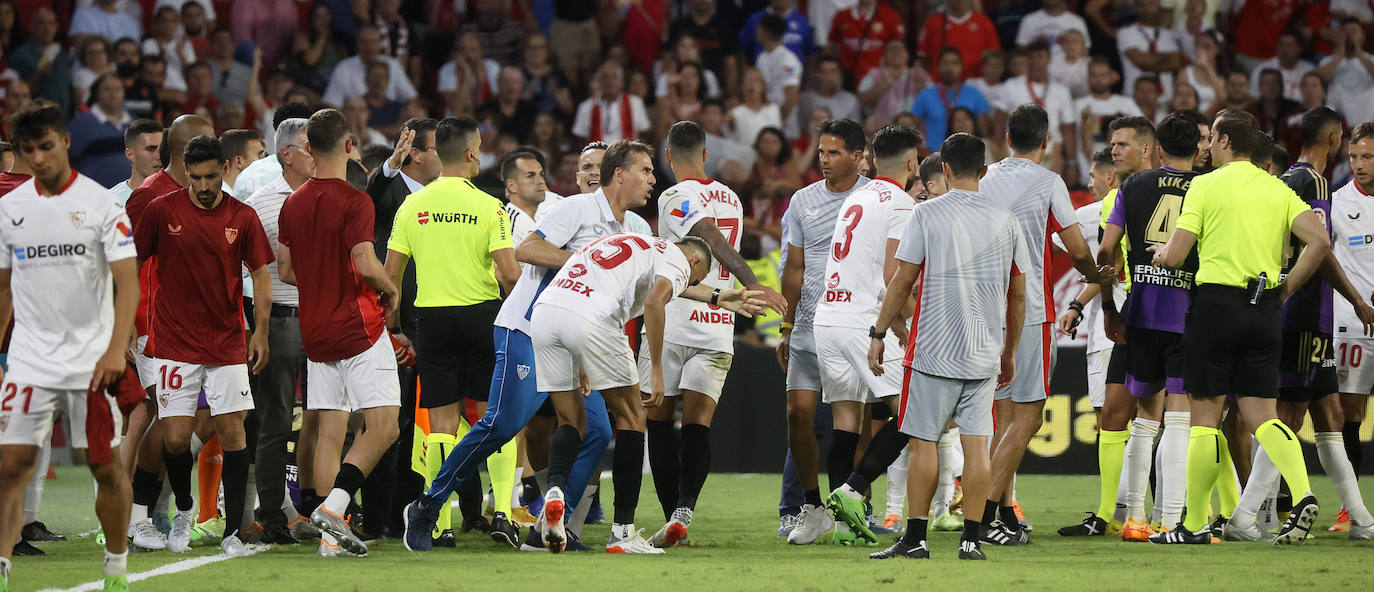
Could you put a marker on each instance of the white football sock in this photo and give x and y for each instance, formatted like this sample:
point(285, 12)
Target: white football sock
point(579, 516)
point(164, 499)
point(116, 564)
point(1122, 492)
point(1173, 448)
point(1264, 477)
point(33, 491)
point(896, 483)
point(944, 490)
point(1331, 451)
point(250, 501)
point(337, 502)
point(1136, 468)
point(289, 509)
point(515, 492)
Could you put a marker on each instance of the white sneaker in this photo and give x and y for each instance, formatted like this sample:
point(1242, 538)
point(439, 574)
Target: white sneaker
point(625, 539)
point(1361, 532)
point(811, 524)
point(180, 538)
point(232, 546)
point(552, 516)
point(674, 531)
point(146, 536)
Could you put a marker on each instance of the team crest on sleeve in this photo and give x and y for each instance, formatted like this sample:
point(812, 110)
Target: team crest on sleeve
point(230, 234)
point(78, 218)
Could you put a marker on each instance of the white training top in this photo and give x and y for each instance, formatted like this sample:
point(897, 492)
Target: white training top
point(608, 281)
point(682, 206)
point(1089, 218)
point(267, 202)
point(854, 285)
point(1352, 241)
point(58, 250)
point(1040, 202)
point(811, 219)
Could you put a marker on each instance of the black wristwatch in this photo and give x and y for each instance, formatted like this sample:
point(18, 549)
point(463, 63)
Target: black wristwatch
point(875, 333)
point(715, 297)
point(394, 330)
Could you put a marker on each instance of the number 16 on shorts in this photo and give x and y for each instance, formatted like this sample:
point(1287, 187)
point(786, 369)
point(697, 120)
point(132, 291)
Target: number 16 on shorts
point(179, 388)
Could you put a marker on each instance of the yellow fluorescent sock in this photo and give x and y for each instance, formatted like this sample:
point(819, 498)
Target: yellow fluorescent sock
point(1203, 463)
point(1228, 486)
point(437, 447)
point(1111, 455)
point(501, 471)
point(1284, 449)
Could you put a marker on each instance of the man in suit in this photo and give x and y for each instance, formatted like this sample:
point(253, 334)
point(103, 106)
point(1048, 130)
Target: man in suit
point(413, 164)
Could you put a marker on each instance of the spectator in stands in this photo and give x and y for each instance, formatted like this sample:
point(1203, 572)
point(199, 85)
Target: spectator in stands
point(499, 34)
point(200, 92)
point(1196, 20)
point(207, 8)
point(168, 41)
point(270, 25)
point(1097, 110)
point(195, 27)
point(355, 109)
point(400, 39)
point(1036, 87)
point(890, 88)
point(782, 71)
point(230, 76)
point(242, 147)
point(860, 35)
point(686, 91)
point(770, 186)
point(1146, 95)
point(681, 51)
point(1348, 72)
point(935, 102)
point(575, 33)
point(1069, 63)
point(993, 71)
point(1272, 109)
point(1256, 29)
point(715, 41)
point(726, 159)
point(153, 73)
point(94, 62)
point(1185, 98)
point(613, 113)
point(510, 113)
point(546, 136)
point(805, 147)
point(961, 27)
point(1238, 90)
point(97, 148)
point(545, 86)
point(799, 38)
point(1202, 74)
point(140, 98)
point(754, 112)
point(41, 62)
point(316, 51)
point(349, 78)
point(1313, 91)
point(17, 94)
point(103, 19)
point(468, 79)
point(1288, 61)
point(1148, 48)
point(829, 92)
point(7, 74)
point(641, 30)
point(1048, 23)
point(11, 33)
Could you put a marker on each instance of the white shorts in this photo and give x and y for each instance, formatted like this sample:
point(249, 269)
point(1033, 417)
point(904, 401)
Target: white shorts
point(1035, 355)
point(1097, 377)
point(566, 344)
point(929, 402)
point(686, 368)
point(179, 385)
point(146, 366)
point(363, 381)
point(1355, 364)
point(843, 356)
point(26, 414)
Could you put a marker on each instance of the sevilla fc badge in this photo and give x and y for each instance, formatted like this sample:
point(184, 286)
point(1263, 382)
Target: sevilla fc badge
point(78, 218)
point(230, 234)
point(4, 422)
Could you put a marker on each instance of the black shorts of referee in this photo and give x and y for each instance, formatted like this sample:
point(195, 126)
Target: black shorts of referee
point(455, 353)
point(1232, 347)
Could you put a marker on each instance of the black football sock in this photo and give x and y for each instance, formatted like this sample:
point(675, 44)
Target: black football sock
point(882, 451)
point(1008, 516)
point(309, 501)
point(696, 463)
point(973, 530)
point(235, 479)
point(1350, 432)
point(529, 489)
point(179, 477)
point(470, 499)
point(840, 462)
point(627, 468)
point(915, 530)
point(146, 488)
point(664, 463)
point(989, 512)
point(813, 497)
point(563, 445)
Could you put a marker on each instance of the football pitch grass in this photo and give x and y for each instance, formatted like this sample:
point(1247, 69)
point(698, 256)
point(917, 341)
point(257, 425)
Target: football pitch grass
point(733, 548)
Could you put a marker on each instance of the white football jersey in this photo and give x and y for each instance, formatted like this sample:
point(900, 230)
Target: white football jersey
point(58, 250)
point(1089, 217)
point(854, 286)
point(607, 281)
point(693, 323)
point(1352, 240)
point(1040, 202)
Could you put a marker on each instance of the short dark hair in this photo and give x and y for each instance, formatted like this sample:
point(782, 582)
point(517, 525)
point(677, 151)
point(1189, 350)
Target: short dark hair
point(197, 65)
point(1038, 45)
point(290, 111)
point(932, 166)
point(773, 25)
point(1263, 153)
point(1280, 157)
point(326, 131)
point(374, 156)
point(1027, 127)
point(202, 149)
point(784, 154)
point(827, 58)
point(1178, 136)
point(1242, 129)
point(964, 154)
point(686, 136)
point(535, 153)
point(34, 120)
point(451, 137)
point(1314, 122)
point(1103, 158)
point(140, 127)
point(618, 157)
point(190, 3)
point(1140, 125)
point(950, 49)
point(712, 102)
point(1362, 131)
point(1194, 117)
point(419, 125)
point(848, 130)
point(235, 141)
point(893, 141)
point(356, 174)
point(510, 165)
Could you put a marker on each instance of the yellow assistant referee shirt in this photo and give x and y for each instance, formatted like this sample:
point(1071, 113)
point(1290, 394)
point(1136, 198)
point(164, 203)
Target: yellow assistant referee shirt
point(450, 229)
point(1242, 216)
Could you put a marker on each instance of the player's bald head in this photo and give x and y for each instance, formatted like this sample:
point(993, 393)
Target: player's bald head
point(185, 128)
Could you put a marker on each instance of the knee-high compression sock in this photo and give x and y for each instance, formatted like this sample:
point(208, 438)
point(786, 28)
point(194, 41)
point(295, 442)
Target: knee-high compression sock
point(1173, 446)
point(665, 464)
point(896, 483)
point(235, 488)
point(346, 484)
point(1119, 514)
point(1264, 477)
point(1111, 457)
point(944, 488)
point(583, 507)
point(1228, 486)
point(1204, 460)
point(437, 447)
point(179, 477)
point(33, 491)
point(1284, 450)
point(1331, 451)
point(1350, 433)
point(627, 470)
point(563, 447)
point(209, 463)
point(840, 461)
point(696, 463)
point(882, 451)
point(146, 489)
point(501, 471)
point(1137, 466)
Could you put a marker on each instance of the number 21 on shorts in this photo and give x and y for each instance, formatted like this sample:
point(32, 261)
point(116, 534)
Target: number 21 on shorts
point(12, 390)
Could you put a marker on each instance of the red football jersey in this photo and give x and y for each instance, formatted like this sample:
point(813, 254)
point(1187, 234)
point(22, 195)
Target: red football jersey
point(156, 185)
point(861, 39)
point(321, 222)
point(972, 35)
point(198, 306)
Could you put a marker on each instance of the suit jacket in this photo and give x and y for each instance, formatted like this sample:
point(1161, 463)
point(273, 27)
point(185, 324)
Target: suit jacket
point(387, 194)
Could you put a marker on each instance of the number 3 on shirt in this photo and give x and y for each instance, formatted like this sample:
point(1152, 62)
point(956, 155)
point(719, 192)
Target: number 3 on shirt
point(10, 391)
point(852, 215)
point(1162, 222)
point(624, 246)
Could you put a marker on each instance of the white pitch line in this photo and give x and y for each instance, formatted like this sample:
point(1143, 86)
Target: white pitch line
point(170, 568)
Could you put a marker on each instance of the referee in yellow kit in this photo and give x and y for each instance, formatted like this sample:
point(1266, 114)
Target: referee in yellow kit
point(1239, 217)
point(459, 237)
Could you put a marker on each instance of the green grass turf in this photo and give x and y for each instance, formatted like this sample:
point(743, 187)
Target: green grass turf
point(734, 548)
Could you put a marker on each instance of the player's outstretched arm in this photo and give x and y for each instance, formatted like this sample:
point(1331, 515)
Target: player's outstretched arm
point(533, 249)
point(262, 314)
point(1079, 252)
point(1317, 245)
point(1334, 274)
point(733, 262)
point(745, 302)
point(1170, 255)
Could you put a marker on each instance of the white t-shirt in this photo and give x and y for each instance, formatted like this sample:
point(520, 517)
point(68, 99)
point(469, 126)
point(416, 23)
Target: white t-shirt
point(1039, 201)
point(1292, 78)
point(748, 122)
point(1041, 24)
point(1351, 90)
point(854, 287)
point(780, 69)
point(1352, 241)
point(349, 79)
point(1089, 219)
point(1099, 111)
point(1054, 97)
point(58, 250)
point(1072, 76)
point(1140, 37)
point(610, 119)
point(682, 206)
point(608, 281)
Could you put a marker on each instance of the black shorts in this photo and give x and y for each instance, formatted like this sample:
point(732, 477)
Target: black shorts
point(1155, 361)
point(1307, 367)
point(1232, 346)
point(1116, 366)
point(455, 353)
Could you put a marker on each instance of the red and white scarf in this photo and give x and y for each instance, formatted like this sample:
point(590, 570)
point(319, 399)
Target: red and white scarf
point(627, 126)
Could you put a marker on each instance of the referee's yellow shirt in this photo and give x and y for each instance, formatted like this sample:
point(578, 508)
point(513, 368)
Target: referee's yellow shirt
point(1242, 216)
point(450, 229)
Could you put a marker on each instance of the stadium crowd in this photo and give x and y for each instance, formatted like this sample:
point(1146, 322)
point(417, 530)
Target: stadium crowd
point(473, 154)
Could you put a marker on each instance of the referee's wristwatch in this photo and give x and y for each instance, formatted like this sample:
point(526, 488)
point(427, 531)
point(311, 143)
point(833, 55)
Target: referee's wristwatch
point(875, 333)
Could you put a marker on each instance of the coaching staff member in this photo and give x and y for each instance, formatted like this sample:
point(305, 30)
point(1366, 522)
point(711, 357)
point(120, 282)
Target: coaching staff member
point(1240, 217)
